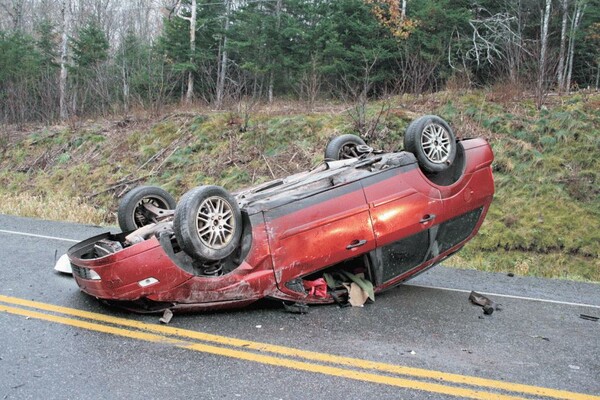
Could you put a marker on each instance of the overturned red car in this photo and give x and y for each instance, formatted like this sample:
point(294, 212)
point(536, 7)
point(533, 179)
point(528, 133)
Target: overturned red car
point(383, 217)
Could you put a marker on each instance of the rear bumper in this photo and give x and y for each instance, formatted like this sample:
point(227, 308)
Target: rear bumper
point(130, 274)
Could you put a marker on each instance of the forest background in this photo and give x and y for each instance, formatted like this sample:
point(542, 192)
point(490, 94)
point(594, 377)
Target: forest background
point(97, 96)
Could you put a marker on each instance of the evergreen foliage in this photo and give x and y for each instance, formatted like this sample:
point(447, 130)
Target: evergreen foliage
point(351, 50)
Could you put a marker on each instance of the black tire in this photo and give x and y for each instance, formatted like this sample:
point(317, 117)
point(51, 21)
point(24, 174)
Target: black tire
point(130, 214)
point(343, 147)
point(208, 223)
point(432, 141)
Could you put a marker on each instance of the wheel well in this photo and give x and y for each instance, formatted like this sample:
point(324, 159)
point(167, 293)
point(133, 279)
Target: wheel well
point(454, 171)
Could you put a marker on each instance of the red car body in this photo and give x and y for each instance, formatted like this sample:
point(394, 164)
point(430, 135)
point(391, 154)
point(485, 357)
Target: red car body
point(380, 212)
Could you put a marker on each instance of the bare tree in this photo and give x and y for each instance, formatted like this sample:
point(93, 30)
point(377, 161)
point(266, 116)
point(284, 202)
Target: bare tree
point(560, 73)
point(403, 12)
point(278, 26)
point(66, 26)
point(14, 9)
point(181, 11)
point(224, 60)
point(493, 38)
point(310, 82)
point(541, 85)
point(580, 7)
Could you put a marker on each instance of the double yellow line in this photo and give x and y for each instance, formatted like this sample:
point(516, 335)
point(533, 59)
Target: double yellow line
point(345, 367)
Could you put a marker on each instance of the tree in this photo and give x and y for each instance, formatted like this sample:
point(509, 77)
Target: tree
point(90, 52)
point(20, 67)
point(580, 6)
point(563, 43)
point(423, 59)
point(593, 41)
point(222, 70)
point(192, 19)
point(66, 27)
point(392, 15)
point(541, 85)
point(202, 63)
point(46, 43)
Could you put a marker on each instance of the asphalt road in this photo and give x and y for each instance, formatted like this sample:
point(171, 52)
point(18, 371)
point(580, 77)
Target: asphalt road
point(422, 340)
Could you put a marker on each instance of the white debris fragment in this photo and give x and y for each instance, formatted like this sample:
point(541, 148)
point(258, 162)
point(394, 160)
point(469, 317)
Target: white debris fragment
point(167, 316)
point(63, 265)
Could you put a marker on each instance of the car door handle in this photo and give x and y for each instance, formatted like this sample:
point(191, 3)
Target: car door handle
point(427, 218)
point(355, 244)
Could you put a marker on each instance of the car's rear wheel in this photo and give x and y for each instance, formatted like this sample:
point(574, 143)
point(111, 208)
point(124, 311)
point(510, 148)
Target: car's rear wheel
point(343, 147)
point(208, 223)
point(432, 141)
point(133, 214)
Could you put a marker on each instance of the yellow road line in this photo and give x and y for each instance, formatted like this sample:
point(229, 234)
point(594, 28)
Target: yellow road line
point(268, 360)
point(310, 355)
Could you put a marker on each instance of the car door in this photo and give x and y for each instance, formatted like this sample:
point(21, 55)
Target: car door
point(319, 230)
point(404, 208)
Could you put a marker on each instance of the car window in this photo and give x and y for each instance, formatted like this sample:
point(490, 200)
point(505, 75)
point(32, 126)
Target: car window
point(454, 231)
point(403, 255)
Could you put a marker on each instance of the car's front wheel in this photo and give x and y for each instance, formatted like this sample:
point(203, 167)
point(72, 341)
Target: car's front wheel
point(208, 223)
point(139, 206)
point(432, 141)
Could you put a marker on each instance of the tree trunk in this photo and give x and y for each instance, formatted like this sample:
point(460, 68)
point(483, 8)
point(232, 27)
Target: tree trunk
point(542, 66)
point(597, 74)
point(224, 59)
point(563, 45)
point(190, 83)
point(403, 13)
point(579, 9)
point(125, 88)
point(278, 26)
point(66, 20)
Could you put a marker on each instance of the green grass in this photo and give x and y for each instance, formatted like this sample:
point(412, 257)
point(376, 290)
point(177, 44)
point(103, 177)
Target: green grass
point(543, 222)
point(545, 217)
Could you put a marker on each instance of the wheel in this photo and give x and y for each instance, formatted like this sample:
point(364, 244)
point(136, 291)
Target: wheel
point(343, 147)
point(132, 214)
point(208, 223)
point(432, 141)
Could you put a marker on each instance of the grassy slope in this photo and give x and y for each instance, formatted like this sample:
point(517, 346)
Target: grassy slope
point(544, 221)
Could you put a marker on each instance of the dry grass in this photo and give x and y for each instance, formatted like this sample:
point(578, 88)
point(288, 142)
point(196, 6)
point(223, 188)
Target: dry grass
point(54, 207)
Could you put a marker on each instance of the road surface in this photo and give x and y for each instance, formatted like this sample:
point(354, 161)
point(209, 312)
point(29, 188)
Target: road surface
point(422, 340)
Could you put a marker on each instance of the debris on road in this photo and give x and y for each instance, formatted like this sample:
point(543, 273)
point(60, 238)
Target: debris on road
point(296, 308)
point(167, 316)
point(540, 337)
point(480, 300)
point(348, 288)
point(589, 317)
point(63, 265)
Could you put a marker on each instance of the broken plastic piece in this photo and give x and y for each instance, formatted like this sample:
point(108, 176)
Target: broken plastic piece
point(167, 316)
point(63, 265)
